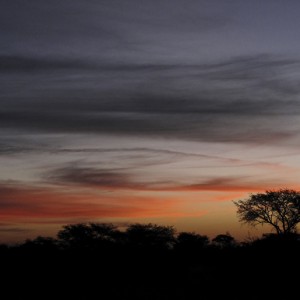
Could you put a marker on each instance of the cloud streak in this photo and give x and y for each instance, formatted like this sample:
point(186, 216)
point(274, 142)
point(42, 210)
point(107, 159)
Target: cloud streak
point(104, 179)
point(23, 64)
point(22, 203)
point(226, 102)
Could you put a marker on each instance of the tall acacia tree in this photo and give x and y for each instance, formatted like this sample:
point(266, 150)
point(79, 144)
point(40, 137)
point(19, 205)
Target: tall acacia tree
point(279, 208)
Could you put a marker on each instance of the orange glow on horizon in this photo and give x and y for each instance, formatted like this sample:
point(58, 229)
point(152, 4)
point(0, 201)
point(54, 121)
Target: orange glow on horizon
point(49, 208)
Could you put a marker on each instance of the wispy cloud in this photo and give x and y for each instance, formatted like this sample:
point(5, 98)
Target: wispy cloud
point(225, 184)
point(32, 64)
point(14, 230)
point(182, 102)
point(21, 203)
point(105, 179)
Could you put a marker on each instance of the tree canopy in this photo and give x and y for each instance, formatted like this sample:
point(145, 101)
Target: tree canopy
point(224, 240)
point(87, 234)
point(151, 235)
point(279, 208)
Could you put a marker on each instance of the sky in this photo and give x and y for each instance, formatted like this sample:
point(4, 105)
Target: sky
point(145, 111)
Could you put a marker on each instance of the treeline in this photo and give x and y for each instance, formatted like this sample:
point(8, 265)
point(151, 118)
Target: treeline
point(101, 236)
point(142, 237)
point(148, 261)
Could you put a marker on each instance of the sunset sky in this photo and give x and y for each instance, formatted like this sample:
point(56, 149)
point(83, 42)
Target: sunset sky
point(145, 111)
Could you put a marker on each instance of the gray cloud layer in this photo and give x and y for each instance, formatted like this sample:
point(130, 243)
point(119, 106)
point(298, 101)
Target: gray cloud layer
point(135, 68)
point(32, 64)
point(235, 101)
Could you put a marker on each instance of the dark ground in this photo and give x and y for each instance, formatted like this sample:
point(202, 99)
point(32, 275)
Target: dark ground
point(260, 270)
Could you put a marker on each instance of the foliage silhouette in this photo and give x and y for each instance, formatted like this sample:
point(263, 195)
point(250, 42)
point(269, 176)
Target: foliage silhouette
point(147, 261)
point(151, 236)
point(88, 235)
point(280, 209)
point(41, 243)
point(224, 240)
point(188, 241)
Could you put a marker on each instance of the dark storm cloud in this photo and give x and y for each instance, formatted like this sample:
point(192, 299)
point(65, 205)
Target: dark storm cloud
point(124, 68)
point(187, 127)
point(176, 101)
point(15, 63)
point(56, 26)
point(34, 64)
point(100, 27)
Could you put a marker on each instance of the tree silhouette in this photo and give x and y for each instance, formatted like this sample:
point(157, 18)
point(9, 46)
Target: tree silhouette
point(147, 261)
point(88, 235)
point(224, 240)
point(40, 243)
point(280, 209)
point(151, 236)
point(190, 241)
